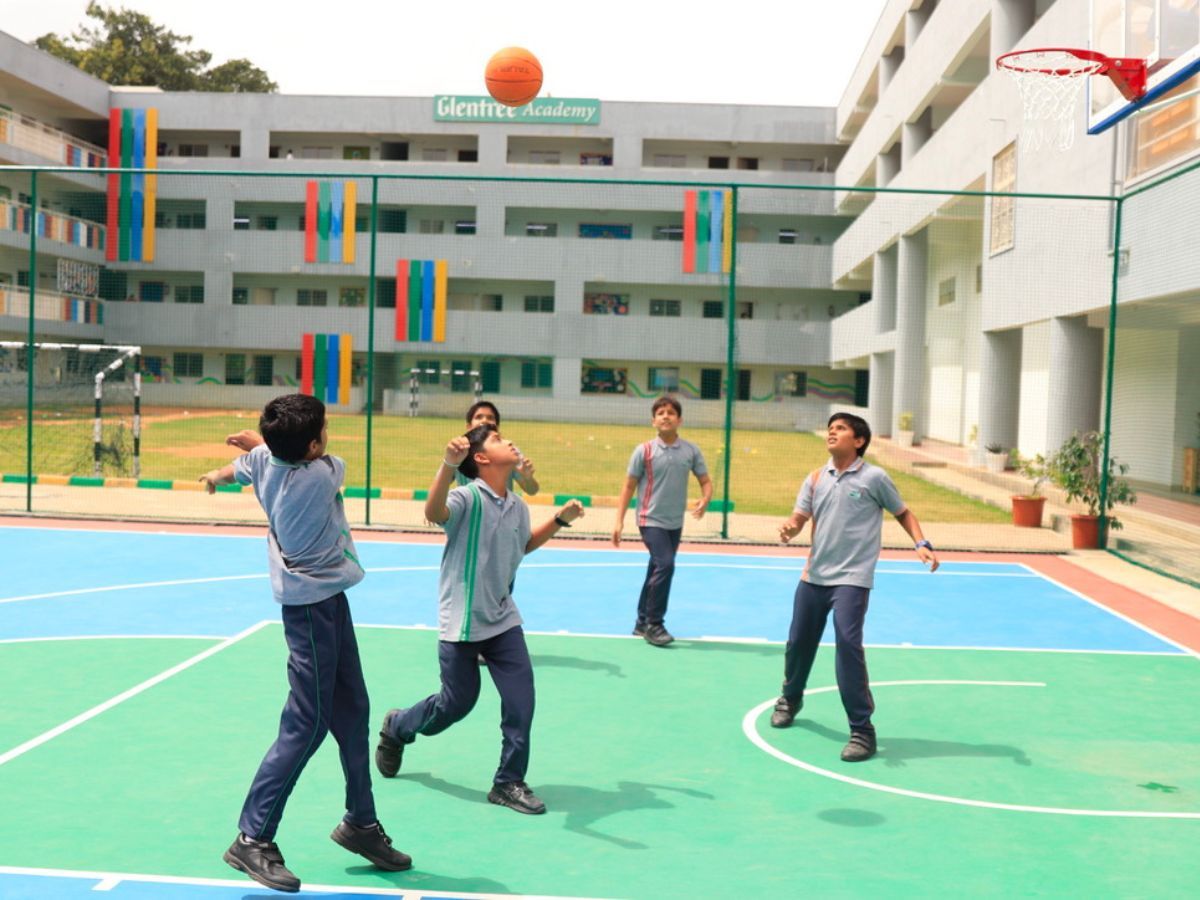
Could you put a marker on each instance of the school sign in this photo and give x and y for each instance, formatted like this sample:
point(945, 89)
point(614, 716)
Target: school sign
point(540, 111)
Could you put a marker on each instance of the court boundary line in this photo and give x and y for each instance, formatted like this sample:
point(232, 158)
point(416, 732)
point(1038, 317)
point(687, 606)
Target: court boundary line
point(86, 715)
point(751, 732)
point(116, 637)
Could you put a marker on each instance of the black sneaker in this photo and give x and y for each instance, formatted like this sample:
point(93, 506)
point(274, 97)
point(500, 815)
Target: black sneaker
point(861, 747)
point(389, 751)
point(263, 862)
point(372, 843)
point(785, 712)
point(516, 795)
point(657, 635)
point(639, 630)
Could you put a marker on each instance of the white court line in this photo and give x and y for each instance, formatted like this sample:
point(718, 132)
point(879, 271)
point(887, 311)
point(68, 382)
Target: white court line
point(124, 695)
point(117, 637)
point(108, 880)
point(1112, 612)
point(751, 732)
point(131, 587)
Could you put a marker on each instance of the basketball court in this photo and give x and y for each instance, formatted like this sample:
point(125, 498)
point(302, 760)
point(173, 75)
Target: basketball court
point(1036, 730)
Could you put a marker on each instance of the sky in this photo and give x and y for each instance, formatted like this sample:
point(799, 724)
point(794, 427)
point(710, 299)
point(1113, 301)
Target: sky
point(797, 53)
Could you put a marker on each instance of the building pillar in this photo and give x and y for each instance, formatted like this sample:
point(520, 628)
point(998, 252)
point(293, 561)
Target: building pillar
point(1010, 20)
point(879, 394)
point(914, 135)
point(493, 149)
point(568, 374)
point(999, 390)
point(909, 367)
point(255, 143)
point(627, 152)
point(883, 291)
point(1076, 374)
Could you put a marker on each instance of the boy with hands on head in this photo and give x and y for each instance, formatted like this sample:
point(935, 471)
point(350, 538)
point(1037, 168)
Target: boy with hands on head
point(488, 533)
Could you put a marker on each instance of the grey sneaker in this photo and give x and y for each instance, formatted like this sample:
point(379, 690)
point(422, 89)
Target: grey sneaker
point(785, 712)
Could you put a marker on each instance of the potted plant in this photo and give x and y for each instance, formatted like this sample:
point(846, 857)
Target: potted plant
point(1077, 468)
point(1027, 508)
point(997, 458)
point(904, 429)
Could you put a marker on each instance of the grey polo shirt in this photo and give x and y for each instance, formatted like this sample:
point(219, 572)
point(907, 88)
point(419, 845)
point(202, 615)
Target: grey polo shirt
point(486, 536)
point(662, 472)
point(310, 554)
point(847, 519)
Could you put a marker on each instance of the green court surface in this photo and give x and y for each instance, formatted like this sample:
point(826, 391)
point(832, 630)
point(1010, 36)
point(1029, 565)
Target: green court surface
point(653, 788)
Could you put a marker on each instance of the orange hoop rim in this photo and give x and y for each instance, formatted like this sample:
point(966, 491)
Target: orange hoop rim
point(1127, 73)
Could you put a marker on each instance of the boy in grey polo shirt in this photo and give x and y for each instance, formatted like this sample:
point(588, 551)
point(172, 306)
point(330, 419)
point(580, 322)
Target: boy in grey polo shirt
point(845, 499)
point(312, 562)
point(658, 472)
point(487, 535)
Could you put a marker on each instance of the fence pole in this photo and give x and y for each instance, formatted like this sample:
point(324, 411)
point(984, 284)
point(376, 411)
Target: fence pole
point(30, 350)
point(730, 361)
point(371, 339)
point(1108, 376)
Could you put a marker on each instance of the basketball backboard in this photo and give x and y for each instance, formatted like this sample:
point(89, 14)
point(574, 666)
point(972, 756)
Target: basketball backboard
point(1165, 33)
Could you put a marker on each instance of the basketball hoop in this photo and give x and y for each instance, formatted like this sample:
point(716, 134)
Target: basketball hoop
point(1050, 81)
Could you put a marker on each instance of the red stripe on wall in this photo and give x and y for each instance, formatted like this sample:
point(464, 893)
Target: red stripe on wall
point(401, 299)
point(306, 364)
point(310, 222)
point(114, 183)
point(689, 231)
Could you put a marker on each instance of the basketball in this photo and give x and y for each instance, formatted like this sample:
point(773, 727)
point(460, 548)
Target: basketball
point(513, 76)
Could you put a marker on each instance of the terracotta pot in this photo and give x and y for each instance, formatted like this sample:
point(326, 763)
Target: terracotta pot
point(1085, 532)
point(1027, 511)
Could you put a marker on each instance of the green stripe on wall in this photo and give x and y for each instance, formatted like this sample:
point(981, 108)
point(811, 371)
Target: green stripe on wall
point(319, 366)
point(324, 203)
point(126, 211)
point(414, 300)
point(702, 217)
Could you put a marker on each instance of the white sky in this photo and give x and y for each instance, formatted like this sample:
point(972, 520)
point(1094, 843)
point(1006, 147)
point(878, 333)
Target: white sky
point(794, 52)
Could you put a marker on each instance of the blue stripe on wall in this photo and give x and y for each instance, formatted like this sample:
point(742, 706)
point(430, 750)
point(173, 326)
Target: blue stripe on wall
point(331, 368)
point(716, 230)
point(137, 198)
point(427, 300)
point(336, 210)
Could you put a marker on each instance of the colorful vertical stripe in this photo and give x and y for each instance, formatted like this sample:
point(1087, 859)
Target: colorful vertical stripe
point(707, 231)
point(132, 196)
point(326, 367)
point(421, 290)
point(329, 211)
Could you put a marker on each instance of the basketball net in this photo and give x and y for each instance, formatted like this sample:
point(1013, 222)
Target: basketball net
point(1050, 82)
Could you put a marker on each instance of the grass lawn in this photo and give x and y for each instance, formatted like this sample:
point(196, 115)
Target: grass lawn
point(767, 467)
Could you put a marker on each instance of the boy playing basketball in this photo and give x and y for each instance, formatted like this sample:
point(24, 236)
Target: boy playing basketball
point(487, 535)
point(312, 562)
point(484, 412)
point(845, 499)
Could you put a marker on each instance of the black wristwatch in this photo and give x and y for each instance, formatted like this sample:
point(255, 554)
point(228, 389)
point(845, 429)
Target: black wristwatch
point(928, 546)
point(561, 522)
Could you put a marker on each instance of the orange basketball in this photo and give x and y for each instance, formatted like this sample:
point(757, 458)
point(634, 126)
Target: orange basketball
point(513, 76)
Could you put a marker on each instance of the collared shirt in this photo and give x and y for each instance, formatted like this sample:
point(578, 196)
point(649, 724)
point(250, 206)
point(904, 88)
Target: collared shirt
point(486, 536)
point(310, 554)
point(662, 471)
point(847, 519)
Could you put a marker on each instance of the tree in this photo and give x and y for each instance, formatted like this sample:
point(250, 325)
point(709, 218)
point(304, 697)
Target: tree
point(128, 48)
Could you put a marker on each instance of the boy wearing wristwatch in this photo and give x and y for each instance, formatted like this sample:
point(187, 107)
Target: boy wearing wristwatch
point(487, 535)
point(845, 500)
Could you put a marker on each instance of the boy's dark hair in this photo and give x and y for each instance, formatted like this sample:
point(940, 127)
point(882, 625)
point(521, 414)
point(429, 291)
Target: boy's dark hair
point(858, 424)
point(475, 407)
point(289, 424)
point(478, 437)
point(666, 401)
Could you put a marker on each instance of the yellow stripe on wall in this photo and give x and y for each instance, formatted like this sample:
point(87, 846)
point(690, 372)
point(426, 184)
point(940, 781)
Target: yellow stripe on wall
point(727, 233)
point(150, 194)
point(439, 299)
point(345, 357)
point(348, 211)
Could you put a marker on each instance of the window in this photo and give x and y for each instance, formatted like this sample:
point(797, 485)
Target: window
point(1004, 179)
point(946, 290)
point(743, 384)
point(188, 365)
point(665, 308)
point(493, 303)
point(595, 159)
point(356, 153)
point(264, 370)
point(462, 377)
point(241, 296)
point(464, 226)
point(152, 291)
point(544, 157)
point(714, 309)
point(151, 365)
point(664, 379)
point(392, 221)
point(235, 368)
point(791, 384)
point(428, 371)
point(862, 387)
point(262, 296)
point(797, 165)
point(979, 279)
point(189, 293)
point(539, 304)
point(670, 160)
point(433, 154)
point(718, 162)
point(610, 232)
point(490, 376)
point(710, 384)
point(748, 163)
point(192, 150)
point(787, 235)
point(241, 223)
point(745, 310)
point(604, 380)
point(267, 223)
point(668, 233)
point(316, 153)
point(309, 297)
point(537, 374)
point(605, 304)
point(352, 296)
point(431, 226)
point(190, 220)
point(468, 156)
point(541, 229)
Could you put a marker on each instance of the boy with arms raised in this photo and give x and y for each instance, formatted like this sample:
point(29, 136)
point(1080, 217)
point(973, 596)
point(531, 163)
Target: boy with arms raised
point(845, 499)
point(487, 535)
point(312, 562)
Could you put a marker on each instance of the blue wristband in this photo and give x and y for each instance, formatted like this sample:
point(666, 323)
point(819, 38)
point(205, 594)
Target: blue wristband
point(928, 546)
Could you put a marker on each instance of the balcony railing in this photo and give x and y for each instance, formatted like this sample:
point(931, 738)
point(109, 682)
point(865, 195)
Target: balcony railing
point(45, 140)
point(51, 306)
point(53, 226)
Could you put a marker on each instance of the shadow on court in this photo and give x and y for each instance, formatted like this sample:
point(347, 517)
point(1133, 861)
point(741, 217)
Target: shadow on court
point(412, 883)
point(896, 751)
point(574, 662)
